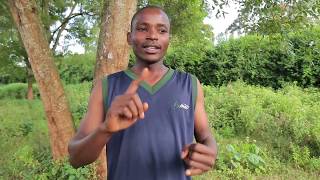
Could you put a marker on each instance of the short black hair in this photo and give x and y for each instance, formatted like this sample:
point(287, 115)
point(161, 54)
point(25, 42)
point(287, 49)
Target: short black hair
point(141, 9)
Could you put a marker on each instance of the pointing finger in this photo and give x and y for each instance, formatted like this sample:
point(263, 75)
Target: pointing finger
point(133, 87)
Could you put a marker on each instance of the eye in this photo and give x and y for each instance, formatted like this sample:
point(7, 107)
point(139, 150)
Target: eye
point(142, 29)
point(163, 30)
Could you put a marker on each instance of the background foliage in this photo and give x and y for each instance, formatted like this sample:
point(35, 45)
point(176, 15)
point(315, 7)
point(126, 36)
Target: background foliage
point(260, 131)
point(260, 60)
point(262, 90)
point(270, 61)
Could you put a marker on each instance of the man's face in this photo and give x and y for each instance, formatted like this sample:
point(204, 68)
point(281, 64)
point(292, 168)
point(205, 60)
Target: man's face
point(150, 35)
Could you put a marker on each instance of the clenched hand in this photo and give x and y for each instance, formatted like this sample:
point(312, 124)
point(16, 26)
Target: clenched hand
point(126, 109)
point(198, 157)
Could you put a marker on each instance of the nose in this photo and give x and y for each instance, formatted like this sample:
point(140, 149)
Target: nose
point(152, 34)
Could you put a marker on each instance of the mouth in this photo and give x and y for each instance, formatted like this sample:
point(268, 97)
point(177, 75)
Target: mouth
point(151, 48)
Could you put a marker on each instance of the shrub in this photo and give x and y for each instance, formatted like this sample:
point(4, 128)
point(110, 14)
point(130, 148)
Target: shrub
point(301, 158)
point(291, 115)
point(242, 159)
point(76, 68)
point(78, 96)
point(263, 60)
point(17, 91)
point(24, 145)
point(28, 164)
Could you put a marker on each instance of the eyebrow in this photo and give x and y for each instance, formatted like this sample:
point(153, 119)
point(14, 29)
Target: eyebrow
point(158, 25)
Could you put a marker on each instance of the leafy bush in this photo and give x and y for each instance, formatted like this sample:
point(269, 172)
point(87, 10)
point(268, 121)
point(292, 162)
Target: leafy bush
point(78, 96)
point(291, 115)
point(24, 145)
point(263, 60)
point(28, 164)
point(301, 157)
point(240, 160)
point(285, 124)
point(17, 91)
point(76, 68)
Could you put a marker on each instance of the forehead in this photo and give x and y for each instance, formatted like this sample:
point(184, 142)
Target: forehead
point(151, 16)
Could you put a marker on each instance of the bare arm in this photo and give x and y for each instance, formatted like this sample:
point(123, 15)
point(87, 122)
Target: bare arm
point(86, 145)
point(200, 156)
point(202, 130)
point(96, 128)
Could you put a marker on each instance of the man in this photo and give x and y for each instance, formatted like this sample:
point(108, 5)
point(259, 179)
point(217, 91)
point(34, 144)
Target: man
point(147, 115)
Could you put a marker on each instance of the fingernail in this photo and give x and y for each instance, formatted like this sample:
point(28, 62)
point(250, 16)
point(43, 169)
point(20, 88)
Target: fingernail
point(182, 154)
point(142, 115)
point(188, 173)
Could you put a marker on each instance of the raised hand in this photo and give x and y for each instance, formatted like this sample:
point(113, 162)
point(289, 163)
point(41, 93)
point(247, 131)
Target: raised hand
point(198, 157)
point(126, 109)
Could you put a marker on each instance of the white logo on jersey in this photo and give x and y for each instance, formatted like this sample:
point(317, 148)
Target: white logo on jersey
point(181, 106)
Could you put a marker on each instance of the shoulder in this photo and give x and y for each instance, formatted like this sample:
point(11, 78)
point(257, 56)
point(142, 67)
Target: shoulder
point(114, 75)
point(182, 74)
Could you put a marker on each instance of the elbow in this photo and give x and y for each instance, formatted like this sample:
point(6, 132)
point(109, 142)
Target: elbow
point(73, 162)
point(75, 158)
point(72, 157)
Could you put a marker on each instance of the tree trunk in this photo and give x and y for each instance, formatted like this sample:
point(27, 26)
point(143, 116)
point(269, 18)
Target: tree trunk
point(30, 90)
point(61, 130)
point(29, 79)
point(113, 49)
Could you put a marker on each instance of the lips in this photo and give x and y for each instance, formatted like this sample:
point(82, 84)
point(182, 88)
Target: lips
point(151, 48)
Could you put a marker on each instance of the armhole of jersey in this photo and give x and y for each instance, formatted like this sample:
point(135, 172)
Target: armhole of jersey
point(105, 93)
point(194, 90)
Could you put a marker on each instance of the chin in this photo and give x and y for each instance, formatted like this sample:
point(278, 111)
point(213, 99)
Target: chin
point(151, 60)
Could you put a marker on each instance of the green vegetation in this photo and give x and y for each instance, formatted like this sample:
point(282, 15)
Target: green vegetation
point(75, 69)
point(260, 129)
point(261, 91)
point(268, 61)
point(16, 91)
point(270, 17)
point(24, 138)
point(261, 132)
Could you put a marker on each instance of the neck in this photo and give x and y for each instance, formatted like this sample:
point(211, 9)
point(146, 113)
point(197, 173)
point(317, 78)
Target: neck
point(153, 68)
point(156, 71)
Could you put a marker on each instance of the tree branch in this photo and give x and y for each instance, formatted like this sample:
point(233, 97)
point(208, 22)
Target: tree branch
point(62, 27)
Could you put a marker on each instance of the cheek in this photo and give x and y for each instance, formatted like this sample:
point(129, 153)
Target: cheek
point(135, 44)
point(165, 43)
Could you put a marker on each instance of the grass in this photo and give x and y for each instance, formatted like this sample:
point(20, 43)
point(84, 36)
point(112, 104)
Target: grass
point(25, 151)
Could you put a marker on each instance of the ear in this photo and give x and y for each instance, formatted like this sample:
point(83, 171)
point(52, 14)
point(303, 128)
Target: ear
point(129, 38)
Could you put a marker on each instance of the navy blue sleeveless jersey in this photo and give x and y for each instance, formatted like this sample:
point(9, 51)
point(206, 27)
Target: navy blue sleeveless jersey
point(151, 148)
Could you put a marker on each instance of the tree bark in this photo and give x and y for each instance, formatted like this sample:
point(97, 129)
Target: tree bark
point(61, 130)
point(29, 80)
point(113, 49)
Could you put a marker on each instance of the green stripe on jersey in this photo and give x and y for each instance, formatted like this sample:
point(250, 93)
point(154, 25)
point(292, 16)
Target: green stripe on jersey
point(152, 89)
point(105, 93)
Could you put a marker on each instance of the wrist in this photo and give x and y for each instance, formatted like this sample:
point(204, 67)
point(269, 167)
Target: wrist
point(103, 130)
